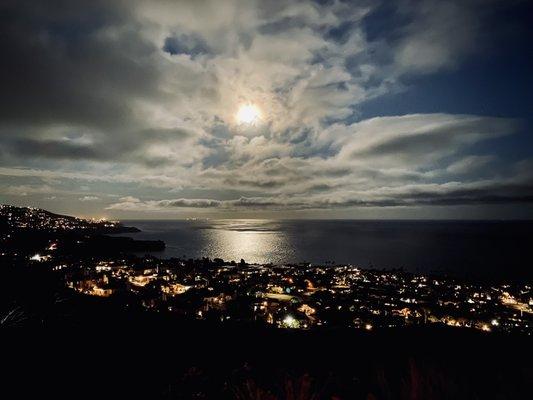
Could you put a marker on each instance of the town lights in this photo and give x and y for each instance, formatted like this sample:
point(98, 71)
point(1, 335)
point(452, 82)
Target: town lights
point(290, 322)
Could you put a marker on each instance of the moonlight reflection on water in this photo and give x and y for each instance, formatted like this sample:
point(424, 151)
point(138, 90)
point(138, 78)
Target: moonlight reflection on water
point(248, 242)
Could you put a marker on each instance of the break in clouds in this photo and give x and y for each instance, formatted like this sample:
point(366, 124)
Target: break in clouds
point(133, 107)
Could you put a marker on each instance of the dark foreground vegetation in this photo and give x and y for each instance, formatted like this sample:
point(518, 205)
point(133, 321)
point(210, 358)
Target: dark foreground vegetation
point(154, 361)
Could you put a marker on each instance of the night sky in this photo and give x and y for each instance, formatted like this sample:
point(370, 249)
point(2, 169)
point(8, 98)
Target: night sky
point(269, 109)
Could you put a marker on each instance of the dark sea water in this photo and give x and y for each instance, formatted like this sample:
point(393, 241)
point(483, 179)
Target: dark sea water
point(476, 249)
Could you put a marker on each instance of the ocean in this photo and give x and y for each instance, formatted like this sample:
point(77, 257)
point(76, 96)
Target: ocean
point(472, 249)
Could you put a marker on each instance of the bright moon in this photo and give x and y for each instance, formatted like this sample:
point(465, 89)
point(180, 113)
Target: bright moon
point(248, 114)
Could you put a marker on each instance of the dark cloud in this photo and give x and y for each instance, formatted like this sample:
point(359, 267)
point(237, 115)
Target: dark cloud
point(198, 203)
point(71, 66)
point(60, 65)
point(185, 44)
point(493, 193)
point(414, 136)
point(414, 195)
point(58, 149)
